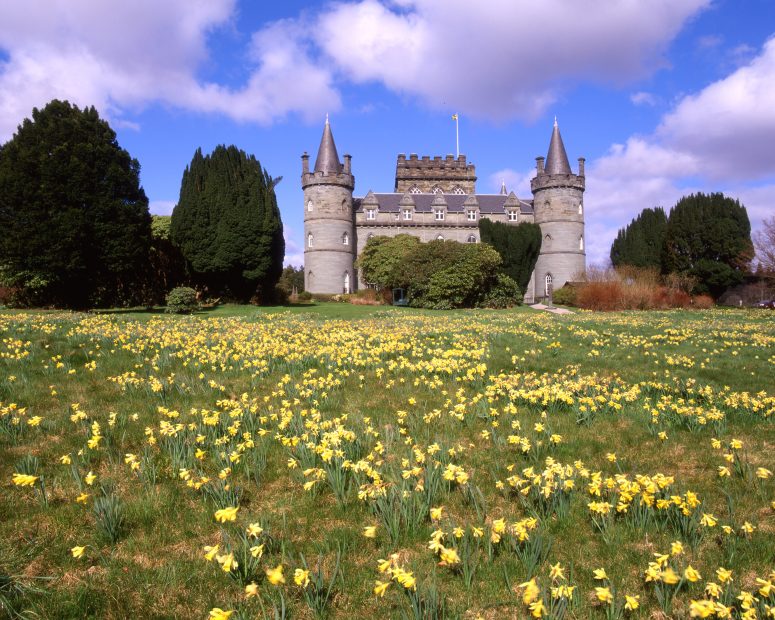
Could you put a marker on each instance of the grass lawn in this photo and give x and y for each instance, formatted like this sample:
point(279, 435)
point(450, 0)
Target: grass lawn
point(353, 461)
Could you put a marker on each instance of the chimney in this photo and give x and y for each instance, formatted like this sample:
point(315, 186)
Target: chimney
point(581, 166)
point(305, 163)
point(347, 163)
point(540, 165)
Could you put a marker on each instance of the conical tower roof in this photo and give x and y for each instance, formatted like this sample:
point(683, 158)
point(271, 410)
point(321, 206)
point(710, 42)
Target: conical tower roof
point(328, 159)
point(557, 159)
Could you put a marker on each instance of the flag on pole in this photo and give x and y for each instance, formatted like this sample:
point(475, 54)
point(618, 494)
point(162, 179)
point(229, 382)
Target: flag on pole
point(454, 117)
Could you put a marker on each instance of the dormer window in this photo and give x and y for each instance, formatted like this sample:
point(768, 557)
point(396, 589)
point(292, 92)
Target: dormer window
point(513, 215)
point(407, 213)
point(471, 214)
point(371, 214)
point(438, 214)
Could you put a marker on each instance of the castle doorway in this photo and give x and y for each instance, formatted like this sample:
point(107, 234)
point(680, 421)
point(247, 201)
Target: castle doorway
point(346, 287)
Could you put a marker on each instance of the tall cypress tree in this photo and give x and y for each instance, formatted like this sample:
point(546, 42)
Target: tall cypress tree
point(640, 243)
point(74, 221)
point(518, 247)
point(228, 226)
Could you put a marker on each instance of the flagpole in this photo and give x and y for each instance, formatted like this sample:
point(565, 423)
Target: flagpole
point(457, 138)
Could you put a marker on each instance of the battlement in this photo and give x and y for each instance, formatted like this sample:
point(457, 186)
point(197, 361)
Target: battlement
point(425, 174)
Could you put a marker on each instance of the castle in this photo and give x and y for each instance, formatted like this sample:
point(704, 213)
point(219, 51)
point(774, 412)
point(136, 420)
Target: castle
point(436, 199)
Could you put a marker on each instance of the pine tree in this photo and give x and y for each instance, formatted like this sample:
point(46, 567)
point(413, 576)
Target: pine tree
point(518, 247)
point(708, 237)
point(74, 219)
point(640, 243)
point(228, 226)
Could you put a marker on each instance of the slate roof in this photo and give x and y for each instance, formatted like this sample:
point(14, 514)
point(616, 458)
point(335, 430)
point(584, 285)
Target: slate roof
point(328, 158)
point(557, 159)
point(488, 203)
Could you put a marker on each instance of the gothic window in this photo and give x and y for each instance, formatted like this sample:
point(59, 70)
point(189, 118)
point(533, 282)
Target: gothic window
point(581, 242)
point(415, 190)
point(346, 283)
point(547, 284)
point(310, 240)
point(440, 238)
point(345, 239)
point(407, 214)
point(471, 239)
point(371, 214)
point(458, 190)
point(513, 215)
point(581, 209)
point(438, 214)
point(309, 205)
point(471, 215)
point(344, 206)
point(437, 190)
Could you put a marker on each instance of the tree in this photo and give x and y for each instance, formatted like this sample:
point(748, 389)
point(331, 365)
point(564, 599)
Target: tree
point(765, 248)
point(708, 237)
point(291, 280)
point(640, 243)
point(518, 247)
point(228, 226)
point(74, 218)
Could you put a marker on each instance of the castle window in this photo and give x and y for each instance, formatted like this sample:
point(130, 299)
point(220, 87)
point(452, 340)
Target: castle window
point(346, 284)
point(407, 214)
point(547, 284)
point(581, 242)
point(440, 238)
point(471, 239)
point(513, 215)
point(345, 239)
point(581, 209)
point(344, 206)
point(471, 215)
point(309, 205)
point(458, 190)
point(415, 190)
point(371, 214)
point(438, 214)
point(310, 240)
point(437, 190)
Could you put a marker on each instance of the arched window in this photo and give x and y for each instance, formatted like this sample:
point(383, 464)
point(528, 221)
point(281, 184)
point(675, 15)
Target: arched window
point(457, 190)
point(344, 206)
point(345, 239)
point(581, 242)
point(346, 284)
point(310, 240)
point(547, 284)
point(414, 190)
point(437, 190)
point(547, 242)
point(309, 205)
point(581, 209)
point(471, 239)
point(440, 238)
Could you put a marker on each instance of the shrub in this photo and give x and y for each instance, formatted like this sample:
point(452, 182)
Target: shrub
point(504, 293)
point(182, 300)
point(565, 296)
point(304, 296)
point(365, 297)
point(702, 301)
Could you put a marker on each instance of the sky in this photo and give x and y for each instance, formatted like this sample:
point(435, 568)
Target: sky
point(662, 97)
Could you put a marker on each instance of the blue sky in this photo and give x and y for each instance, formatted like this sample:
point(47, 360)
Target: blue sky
point(663, 97)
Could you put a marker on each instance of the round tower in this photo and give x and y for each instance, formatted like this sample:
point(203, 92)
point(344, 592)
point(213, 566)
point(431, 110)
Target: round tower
point(329, 227)
point(558, 205)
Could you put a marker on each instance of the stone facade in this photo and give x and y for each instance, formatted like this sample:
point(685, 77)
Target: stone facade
point(436, 199)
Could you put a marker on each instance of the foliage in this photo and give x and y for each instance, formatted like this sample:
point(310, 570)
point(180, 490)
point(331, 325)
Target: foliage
point(565, 295)
point(438, 274)
point(518, 247)
point(708, 237)
point(182, 300)
point(228, 226)
point(291, 281)
point(765, 247)
point(75, 222)
point(640, 243)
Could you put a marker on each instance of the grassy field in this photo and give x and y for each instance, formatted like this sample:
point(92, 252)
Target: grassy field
point(350, 462)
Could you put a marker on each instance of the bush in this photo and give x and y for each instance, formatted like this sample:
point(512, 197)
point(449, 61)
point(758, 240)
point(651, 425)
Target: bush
point(503, 294)
point(702, 301)
point(182, 300)
point(304, 296)
point(565, 296)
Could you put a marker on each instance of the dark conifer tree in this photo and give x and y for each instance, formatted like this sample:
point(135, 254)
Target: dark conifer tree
point(708, 237)
point(228, 226)
point(640, 243)
point(74, 219)
point(518, 247)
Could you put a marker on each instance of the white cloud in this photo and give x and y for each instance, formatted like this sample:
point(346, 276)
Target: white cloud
point(501, 58)
point(294, 253)
point(120, 57)
point(516, 181)
point(643, 98)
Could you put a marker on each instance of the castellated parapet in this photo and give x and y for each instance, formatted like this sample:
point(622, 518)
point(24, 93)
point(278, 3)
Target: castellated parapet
point(438, 175)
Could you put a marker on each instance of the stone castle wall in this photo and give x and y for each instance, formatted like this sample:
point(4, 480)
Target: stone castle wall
point(426, 174)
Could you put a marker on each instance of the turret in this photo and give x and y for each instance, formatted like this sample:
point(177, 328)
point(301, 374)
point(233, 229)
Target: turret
point(558, 204)
point(329, 227)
